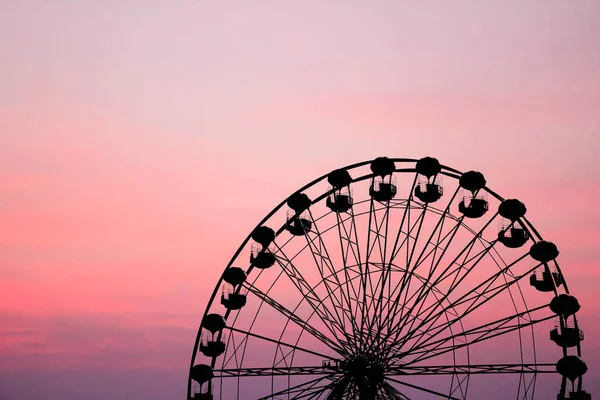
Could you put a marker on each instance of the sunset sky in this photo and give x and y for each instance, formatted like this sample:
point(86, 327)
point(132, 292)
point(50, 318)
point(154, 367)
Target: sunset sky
point(141, 141)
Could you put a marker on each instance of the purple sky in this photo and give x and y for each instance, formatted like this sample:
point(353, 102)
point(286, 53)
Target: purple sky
point(113, 115)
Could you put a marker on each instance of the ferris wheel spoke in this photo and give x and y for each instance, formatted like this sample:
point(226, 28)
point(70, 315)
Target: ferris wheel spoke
point(420, 221)
point(393, 393)
point(486, 295)
point(365, 291)
point(440, 244)
point(420, 341)
point(377, 239)
point(392, 308)
point(398, 245)
point(279, 342)
point(470, 337)
point(528, 388)
point(472, 369)
point(379, 229)
point(300, 388)
point(433, 289)
point(234, 356)
point(331, 321)
point(349, 246)
point(316, 333)
point(490, 327)
point(473, 297)
point(339, 387)
point(365, 274)
point(405, 311)
point(271, 371)
point(378, 342)
point(400, 306)
point(467, 265)
point(446, 273)
point(459, 381)
point(327, 270)
point(367, 284)
point(439, 225)
point(425, 291)
point(314, 390)
point(445, 396)
point(383, 317)
point(464, 267)
point(359, 308)
point(313, 393)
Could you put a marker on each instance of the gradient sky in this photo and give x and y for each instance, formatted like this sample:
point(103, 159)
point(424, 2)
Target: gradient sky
point(141, 141)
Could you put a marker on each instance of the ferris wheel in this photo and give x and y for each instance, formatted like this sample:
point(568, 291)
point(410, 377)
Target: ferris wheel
point(391, 279)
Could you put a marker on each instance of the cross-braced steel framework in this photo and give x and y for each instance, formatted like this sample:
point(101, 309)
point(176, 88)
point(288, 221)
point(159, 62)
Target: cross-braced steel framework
point(391, 279)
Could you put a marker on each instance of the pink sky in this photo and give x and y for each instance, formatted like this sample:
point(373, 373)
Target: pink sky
point(114, 115)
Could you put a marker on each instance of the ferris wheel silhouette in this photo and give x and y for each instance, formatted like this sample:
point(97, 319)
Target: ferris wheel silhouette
point(391, 279)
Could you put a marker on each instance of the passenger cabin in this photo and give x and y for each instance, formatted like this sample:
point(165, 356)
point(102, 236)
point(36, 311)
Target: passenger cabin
point(340, 200)
point(579, 395)
point(211, 345)
point(573, 368)
point(235, 276)
point(543, 251)
point(567, 336)
point(232, 299)
point(298, 224)
point(263, 235)
point(202, 392)
point(383, 189)
point(339, 178)
point(233, 296)
point(512, 235)
point(429, 188)
point(565, 305)
point(545, 280)
point(472, 206)
point(202, 375)
point(383, 186)
point(512, 209)
point(429, 192)
point(202, 396)
point(261, 257)
point(298, 221)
